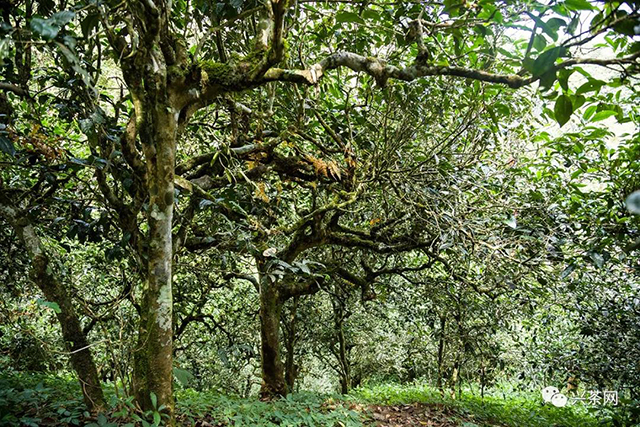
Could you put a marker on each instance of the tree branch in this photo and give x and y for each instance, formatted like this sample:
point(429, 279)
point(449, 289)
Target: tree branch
point(9, 87)
point(381, 71)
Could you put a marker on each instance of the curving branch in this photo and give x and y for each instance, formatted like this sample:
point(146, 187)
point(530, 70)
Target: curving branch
point(270, 37)
point(10, 87)
point(381, 71)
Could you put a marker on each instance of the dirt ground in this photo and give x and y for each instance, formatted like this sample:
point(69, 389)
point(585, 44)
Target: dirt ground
point(416, 414)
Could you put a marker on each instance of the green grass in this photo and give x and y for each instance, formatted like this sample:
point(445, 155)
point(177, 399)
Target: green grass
point(513, 410)
point(35, 399)
point(296, 410)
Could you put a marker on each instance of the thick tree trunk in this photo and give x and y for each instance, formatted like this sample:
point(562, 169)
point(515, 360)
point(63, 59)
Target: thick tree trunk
point(273, 383)
point(291, 369)
point(158, 133)
point(75, 340)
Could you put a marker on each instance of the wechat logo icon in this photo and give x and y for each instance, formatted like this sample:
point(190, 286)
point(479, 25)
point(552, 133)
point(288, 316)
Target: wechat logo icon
point(552, 395)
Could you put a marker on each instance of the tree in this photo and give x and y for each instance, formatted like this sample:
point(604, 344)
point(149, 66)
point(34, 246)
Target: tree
point(178, 59)
point(44, 276)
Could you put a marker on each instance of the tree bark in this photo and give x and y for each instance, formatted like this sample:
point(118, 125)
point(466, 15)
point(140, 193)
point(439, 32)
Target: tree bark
point(273, 382)
point(291, 369)
point(141, 359)
point(345, 378)
point(439, 383)
point(75, 340)
point(340, 314)
point(158, 133)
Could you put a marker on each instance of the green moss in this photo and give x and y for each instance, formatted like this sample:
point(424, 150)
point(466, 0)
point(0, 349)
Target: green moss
point(177, 72)
point(255, 56)
point(285, 42)
point(217, 72)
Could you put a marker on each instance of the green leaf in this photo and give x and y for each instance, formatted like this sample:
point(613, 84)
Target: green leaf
point(76, 64)
point(556, 23)
point(52, 305)
point(590, 86)
point(102, 419)
point(597, 259)
point(589, 112)
point(490, 12)
point(602, 115)
point(567, 271)
point(573, 25)
point(539, 42)
point(578, 101)
point(349, 17)
point(5, 47)
point(304, 268)
point(371, 14)
point(44, 28)
point(183, 376)
point(89, 23)
point(625, 26)
point(546, 28)
point(154, 399)
point(563, 78)
point(633, 202)
point(156, 418)
point(511, 222)
point(545, 61)
point(6, 146)
point(578, 5)
point(62, 18)
point(547, 79)
point(563, 109)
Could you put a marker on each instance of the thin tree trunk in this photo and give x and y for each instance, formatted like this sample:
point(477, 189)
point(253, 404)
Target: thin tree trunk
point(140, 359)
point(273, 382)
point(454, 379)
point(345, 369)
point(345, 380)
point(75, 340)
point(439, 382)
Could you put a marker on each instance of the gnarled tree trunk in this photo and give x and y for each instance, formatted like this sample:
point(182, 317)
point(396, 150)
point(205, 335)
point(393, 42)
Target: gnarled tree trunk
point(273, 382)
point(75, 340)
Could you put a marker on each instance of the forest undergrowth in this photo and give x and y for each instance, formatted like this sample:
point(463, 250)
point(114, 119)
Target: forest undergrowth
point(45, 400)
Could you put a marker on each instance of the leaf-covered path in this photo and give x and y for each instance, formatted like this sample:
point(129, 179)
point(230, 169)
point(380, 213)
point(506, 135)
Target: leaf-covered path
point(416, 414)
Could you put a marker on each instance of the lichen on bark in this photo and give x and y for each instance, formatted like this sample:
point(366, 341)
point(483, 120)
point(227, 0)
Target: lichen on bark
point(165, 301)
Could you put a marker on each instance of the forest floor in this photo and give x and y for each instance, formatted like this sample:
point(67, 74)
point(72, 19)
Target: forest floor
point(414, 414)
point(44, 400)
